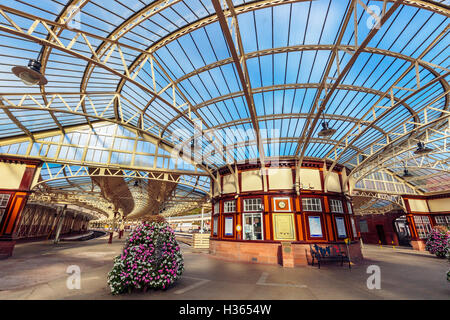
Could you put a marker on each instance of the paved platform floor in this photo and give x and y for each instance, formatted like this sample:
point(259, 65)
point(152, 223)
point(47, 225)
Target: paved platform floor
point(38, 271)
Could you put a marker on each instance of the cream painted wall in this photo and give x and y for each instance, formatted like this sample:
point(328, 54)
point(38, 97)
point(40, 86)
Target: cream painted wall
point(333, 183)
point(280, 179)
point(11, 175)
point(439, 205)
point(344, 178)
point(216, 188)
point(251, 180)
point(36, 177)
point(352, 182)
point(229, 184)
point(417, 205)
point(310, 178)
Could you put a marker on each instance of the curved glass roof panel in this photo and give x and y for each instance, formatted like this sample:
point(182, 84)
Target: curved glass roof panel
point(255, 79)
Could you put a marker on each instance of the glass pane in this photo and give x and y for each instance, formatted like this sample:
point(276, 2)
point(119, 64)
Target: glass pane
point(257, 228)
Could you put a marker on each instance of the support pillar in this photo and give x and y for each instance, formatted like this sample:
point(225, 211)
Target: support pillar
point(74, 219)
point(203, 212)
point(60, 224)
point(121, 228)
point(113, 227)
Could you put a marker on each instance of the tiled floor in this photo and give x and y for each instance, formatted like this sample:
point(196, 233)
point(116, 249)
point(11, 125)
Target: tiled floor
point(38, 271)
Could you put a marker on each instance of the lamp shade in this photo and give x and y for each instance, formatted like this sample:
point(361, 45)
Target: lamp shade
point(30, 75)
point(406, 174)
point(326, 130)
point(422, 149)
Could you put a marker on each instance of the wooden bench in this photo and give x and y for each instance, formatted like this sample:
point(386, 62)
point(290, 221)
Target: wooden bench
point(328, 254)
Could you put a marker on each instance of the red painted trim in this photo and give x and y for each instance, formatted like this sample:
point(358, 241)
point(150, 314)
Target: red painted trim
point(16, 190)
point(27, 178)
point(14, 213)
point(408, 208)
point(271, 235)
point(425, 197)
point(11, 159)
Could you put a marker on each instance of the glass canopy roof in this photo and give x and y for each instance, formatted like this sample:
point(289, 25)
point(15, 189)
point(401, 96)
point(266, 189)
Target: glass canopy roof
point(244, 79)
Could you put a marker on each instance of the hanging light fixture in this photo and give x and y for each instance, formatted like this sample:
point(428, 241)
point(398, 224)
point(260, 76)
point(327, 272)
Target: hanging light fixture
point(31, 75)
point(326, 130)
point(406, 174)
point(422, 149)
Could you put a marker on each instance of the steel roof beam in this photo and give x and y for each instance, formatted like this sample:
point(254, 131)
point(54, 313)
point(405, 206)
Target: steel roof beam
point(321, 103)
point(438, 8)
point(293, 86)
point(241, 68)
point(399, 136)
point(390, 90)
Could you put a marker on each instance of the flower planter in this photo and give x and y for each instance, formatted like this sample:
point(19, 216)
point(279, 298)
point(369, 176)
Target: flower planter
point(151, 259)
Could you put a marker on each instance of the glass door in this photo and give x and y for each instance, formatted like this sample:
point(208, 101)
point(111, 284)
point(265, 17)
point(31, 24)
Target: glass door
point(253, 226)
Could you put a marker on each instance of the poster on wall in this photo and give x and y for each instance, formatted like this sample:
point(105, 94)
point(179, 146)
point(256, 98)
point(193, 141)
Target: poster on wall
point(341, 227)
point(229, 226)
point(315, 227)
point(284, 226)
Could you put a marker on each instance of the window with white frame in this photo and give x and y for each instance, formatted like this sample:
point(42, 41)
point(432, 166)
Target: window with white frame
point(312, 204)
point(229, 206)
point(423, 226)
point(216, 207)
point(336, 206)
point(253, 204)
point(215, 225)
point(355, 233)
point(349, 205)
point(253, 226)
point(4, 199)
point(442, 220)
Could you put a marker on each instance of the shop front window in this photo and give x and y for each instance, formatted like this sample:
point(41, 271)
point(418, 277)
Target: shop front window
point(336, 206)
point(253, 226)
point(215, 225)
point(423, 226)
point(443, 221)
point(229, 206)
point(349, 205)
point(312, 204)
point(253, 204)
point(355, 233)
point(4, 199)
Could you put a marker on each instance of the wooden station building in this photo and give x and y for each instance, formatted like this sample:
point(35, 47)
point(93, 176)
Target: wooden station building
point(257, 211)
